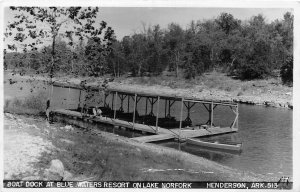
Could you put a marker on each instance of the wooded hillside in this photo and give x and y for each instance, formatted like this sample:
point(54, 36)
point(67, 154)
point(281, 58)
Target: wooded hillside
point(250, 49)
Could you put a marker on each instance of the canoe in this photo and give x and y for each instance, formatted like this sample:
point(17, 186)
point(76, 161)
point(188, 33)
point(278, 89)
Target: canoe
point(231, 147)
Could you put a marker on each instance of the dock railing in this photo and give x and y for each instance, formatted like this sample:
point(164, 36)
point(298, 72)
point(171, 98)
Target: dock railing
point(209, 105)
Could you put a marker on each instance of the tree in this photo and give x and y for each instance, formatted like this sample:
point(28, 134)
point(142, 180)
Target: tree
point(96, 54)
point(286, 71)
point(197, 58)
point(70, 23)
point(138, 54)
point(4, 60)
point(156, 53)
point(117, 59)
point(282, 35)
point(210, 35)
point(255, 50)
point(227, 22)
point(176, 45)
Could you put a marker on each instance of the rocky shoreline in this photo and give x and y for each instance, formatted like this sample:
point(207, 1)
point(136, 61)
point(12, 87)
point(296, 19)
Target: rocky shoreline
point(267, 100)
point(278, 97)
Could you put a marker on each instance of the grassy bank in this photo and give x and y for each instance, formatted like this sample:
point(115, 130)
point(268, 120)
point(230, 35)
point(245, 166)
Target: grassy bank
point(34, 104)
point(87, 155)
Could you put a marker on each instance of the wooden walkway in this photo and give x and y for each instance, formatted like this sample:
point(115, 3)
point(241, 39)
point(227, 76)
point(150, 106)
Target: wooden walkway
point(152, 138)
point(160, 134)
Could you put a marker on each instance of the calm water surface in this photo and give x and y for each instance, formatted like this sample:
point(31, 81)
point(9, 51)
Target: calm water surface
point(266, 133)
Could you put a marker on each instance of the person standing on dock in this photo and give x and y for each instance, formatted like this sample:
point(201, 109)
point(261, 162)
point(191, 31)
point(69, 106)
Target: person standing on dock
point(97, 111)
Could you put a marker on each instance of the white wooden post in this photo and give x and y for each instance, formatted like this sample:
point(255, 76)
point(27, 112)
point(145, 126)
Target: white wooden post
point(211, 114)
point(115, 106)
point(237, 114)
point(157, 113)
point(180, 124)
point(134, 106)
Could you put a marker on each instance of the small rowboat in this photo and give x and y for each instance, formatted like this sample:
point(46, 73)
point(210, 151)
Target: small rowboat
point(232, 147)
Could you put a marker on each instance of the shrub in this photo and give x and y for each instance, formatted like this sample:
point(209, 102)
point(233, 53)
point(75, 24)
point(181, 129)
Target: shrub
point(256, 62)
point(253, 71)
point(286, 71)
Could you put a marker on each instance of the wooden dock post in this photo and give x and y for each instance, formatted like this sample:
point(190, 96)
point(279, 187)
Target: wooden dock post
point(146, 110)
point(51, 95)
point(68, 100)
point(105, 98)
point(134, 106)
point(112, 101)
point(115, 107)
point(237, 114)
point(157, 113)
point(165, 107)
point(211, 113)
point(180, 124)
point(79, 100)
point(83, 105)
point(128, 101)
point(236, 119)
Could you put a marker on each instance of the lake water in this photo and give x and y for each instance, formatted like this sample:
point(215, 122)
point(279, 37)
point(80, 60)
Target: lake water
point(266, 133)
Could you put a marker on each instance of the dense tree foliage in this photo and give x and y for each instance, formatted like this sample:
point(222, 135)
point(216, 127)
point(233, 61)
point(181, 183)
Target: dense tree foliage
point(286, 71)
point(34, 26)
point(246, 49)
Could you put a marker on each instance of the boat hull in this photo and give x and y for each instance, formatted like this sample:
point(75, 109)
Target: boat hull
point(235, 147)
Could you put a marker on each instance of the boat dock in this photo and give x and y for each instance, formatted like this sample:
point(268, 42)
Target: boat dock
point(152, 122)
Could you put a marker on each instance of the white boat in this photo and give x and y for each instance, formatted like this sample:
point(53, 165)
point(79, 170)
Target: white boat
point(216, 145)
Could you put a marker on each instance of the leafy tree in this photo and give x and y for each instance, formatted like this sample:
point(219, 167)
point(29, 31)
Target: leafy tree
point(282, 36)
point(227, 22)
point(117, 59)
point(157, 54)
point(176, 45)
point(256, 57)
point(210, 35)
point(249, 50)
point(197, 55)
point(135, 51)
point(70, 23)
point(138, 56)
point(5, 62)
point(286, 71)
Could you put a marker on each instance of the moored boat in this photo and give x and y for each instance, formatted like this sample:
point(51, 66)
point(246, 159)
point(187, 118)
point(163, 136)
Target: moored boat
point(216, 145)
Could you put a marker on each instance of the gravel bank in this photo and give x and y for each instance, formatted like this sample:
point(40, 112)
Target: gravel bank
point(22, 149)
point(215, 86)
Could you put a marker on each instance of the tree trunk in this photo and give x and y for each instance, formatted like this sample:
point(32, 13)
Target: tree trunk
point(139, 70)
point(52, 68)
point(118, 68)
point(114, 66)
point(72, 65)
point(176, 62)
point(212, 57)
point(52, 58)
point(231, 64)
